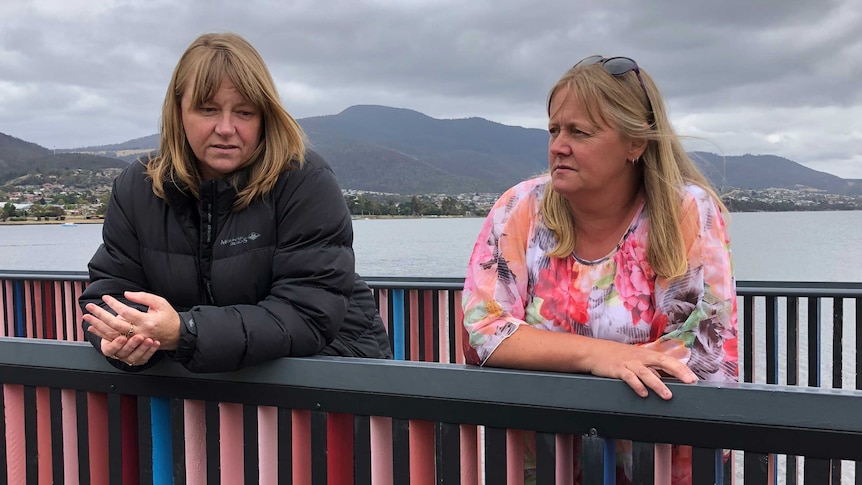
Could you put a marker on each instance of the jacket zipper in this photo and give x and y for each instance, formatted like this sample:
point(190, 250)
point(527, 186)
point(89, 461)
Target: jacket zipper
point(207, 222)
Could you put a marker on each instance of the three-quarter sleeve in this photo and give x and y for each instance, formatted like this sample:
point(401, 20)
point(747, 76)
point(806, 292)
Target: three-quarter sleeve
point(496, 283)
point(701, 305)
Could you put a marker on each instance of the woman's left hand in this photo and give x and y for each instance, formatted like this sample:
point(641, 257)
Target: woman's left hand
point(160, 322)
point(137, 350)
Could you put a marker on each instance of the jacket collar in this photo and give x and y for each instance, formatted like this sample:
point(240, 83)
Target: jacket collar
point(223, 190)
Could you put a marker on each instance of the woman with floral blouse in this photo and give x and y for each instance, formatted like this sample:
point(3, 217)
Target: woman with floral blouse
point(615, 263)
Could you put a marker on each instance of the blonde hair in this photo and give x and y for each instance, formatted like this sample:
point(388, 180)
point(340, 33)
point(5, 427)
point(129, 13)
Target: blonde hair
point(202, 67)
point(621, 102)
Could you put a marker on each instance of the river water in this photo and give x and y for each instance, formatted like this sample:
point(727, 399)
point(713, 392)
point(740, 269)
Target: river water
point(772, 246)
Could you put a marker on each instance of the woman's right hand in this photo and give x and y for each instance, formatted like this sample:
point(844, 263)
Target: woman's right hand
point(133, 351)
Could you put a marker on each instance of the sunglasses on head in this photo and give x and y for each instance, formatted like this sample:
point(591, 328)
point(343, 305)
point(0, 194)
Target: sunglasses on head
point(617, 66)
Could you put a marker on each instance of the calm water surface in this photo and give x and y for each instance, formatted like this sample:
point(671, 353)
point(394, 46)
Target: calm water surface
point(776, 246)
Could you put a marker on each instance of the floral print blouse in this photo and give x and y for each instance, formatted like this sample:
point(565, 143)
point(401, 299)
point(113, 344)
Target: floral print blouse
point(511, 282)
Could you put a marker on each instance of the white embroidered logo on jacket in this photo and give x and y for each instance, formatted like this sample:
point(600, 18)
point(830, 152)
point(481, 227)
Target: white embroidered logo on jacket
point(236, 241)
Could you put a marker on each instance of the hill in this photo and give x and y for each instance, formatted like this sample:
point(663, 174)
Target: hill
point(128, 151)
point(19, 157)
point(759, 172)
point(424, 154)
point(145, 143)
point(384, 149)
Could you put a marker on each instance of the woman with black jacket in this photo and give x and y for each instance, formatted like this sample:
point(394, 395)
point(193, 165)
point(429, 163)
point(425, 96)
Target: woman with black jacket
point(233, 245)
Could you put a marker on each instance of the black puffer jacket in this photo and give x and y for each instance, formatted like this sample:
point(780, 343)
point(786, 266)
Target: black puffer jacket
point(275, 279)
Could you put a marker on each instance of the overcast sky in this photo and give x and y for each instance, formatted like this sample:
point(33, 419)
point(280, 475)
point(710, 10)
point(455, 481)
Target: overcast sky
point(765, 77)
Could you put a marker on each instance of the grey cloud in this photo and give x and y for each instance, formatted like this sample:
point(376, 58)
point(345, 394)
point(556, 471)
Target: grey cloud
point(99, 76)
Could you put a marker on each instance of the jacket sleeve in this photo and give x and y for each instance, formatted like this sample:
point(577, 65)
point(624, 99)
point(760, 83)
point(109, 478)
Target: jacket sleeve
point(116, 265)
point(312, 280)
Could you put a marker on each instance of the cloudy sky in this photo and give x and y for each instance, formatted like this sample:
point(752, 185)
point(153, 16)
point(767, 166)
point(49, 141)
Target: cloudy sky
point(776, 77)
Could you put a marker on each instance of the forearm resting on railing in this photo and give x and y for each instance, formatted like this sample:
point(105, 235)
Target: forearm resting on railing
point(535, 349)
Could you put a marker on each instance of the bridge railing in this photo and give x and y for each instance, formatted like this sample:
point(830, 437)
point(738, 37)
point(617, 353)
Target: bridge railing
point(336, 420)
point(797, 339)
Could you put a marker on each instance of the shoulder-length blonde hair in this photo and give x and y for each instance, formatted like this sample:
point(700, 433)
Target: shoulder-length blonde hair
point(621, 102)
point(202, 67)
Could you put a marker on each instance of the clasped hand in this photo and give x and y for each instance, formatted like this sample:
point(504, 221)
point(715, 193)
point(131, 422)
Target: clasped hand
point(133, 336)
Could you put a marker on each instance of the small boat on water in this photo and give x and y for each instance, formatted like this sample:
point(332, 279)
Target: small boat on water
point(68, 224)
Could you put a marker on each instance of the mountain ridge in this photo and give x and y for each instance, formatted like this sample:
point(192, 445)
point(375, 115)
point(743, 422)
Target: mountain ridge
point(19, 157)
point(398, 150)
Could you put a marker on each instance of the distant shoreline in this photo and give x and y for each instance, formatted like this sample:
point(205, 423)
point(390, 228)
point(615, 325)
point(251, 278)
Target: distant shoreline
point(68, 221)
point(76, 221)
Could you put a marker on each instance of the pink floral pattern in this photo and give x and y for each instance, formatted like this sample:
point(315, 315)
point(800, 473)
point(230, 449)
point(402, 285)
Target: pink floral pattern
point(511, 281)
point(562, 306)
point(634, 281)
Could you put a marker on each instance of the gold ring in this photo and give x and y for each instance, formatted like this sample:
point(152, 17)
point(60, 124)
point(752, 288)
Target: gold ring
point(131, 330)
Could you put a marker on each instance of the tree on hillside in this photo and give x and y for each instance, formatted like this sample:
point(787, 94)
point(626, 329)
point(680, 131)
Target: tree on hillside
point(37, 211)
point(352, 203)
point(416, 206)
point(103, 203)
point(451, 207)
point(8, 211)
point(53, 211)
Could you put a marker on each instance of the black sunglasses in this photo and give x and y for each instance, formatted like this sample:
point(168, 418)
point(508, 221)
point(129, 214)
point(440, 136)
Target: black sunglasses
point(617, 66)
